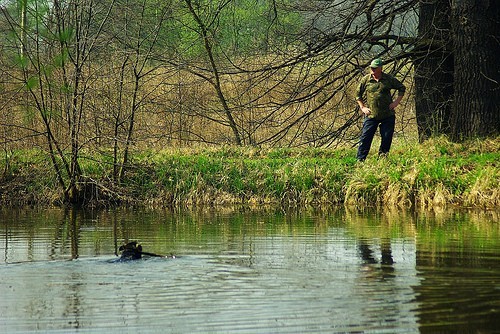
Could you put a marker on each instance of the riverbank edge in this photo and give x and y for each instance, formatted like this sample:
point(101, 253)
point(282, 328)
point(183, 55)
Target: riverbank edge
point(437, 173)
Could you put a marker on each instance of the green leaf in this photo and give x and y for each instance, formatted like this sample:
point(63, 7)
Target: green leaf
point(21, 61)
point(66, 35)
point(32, 82)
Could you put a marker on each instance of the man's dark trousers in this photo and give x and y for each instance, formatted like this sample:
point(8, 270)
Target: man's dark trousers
point(370, 126)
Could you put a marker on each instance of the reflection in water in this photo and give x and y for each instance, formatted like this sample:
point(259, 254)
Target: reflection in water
point(380, 273)
point(385, 250)
point(460, 278)
point(244, 271)
point(73, 304)
point(386, 269)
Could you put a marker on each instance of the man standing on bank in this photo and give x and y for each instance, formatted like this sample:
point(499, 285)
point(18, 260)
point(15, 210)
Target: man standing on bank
point(378, 108)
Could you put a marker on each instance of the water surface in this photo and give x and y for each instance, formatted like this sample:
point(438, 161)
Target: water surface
point(247, 271)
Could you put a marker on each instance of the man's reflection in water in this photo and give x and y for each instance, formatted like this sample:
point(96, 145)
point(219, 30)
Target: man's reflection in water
point(385, 246)
point(377, 282)
point(369, 259)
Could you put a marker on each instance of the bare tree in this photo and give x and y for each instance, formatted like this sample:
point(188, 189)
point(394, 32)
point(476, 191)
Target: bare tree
point(137, 28)
point(56, 73)
point(328, 55)
point(214, 78)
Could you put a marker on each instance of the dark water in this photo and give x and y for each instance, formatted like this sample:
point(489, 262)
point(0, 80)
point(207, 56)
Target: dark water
point(250, 272)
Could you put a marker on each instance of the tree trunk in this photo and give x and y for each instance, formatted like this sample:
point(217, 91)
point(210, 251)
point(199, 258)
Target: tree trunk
point(215, 81)
point(24, 26)
point(476, 38)
point(433, 61)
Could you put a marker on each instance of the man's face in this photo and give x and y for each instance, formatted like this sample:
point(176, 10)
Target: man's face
point(375, 71)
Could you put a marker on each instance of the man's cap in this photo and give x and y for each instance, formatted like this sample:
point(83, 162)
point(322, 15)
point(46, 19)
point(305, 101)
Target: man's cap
point(376, 63)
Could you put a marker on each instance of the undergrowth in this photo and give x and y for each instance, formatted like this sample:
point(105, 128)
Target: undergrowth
point(436, 173)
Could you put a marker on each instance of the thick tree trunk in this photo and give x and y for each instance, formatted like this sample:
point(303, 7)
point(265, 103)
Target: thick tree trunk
point(476, 36)
point(433, 61)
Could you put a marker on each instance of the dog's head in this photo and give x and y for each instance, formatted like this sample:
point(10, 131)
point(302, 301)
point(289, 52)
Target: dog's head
point(131, 250)
point(133, 245)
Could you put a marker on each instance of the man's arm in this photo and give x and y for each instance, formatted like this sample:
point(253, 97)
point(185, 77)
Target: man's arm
point(359, 98)
point(401, 92)
point(396, 102)
point(363, 108)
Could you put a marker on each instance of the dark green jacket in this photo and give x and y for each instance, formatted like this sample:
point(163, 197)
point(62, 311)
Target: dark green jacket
point(376, 95)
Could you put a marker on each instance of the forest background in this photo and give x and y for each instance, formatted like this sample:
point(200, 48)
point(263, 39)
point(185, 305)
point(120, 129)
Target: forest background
point(230, 101)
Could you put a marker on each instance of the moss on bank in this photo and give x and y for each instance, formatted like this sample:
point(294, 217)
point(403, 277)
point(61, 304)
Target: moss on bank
point(434, 174)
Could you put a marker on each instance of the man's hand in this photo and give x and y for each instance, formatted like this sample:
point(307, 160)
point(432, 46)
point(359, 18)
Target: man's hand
point(393, 105)
point(366, 111)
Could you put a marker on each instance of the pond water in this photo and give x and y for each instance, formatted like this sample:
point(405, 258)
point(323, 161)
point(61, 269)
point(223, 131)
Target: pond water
point(250, 271)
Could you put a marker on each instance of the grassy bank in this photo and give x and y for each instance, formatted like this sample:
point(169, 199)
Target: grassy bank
point(434, 174)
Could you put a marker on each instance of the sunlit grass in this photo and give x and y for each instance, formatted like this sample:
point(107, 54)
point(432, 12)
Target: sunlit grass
point(437, 173)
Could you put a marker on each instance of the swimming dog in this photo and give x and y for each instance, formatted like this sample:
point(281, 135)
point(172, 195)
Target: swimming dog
point(133, 251)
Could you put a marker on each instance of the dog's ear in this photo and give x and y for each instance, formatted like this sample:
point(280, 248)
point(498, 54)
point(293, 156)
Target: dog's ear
point(121, 248)
point(139, 248)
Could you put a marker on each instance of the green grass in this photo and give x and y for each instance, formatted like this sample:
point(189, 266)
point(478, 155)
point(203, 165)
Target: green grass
point(432, 174)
